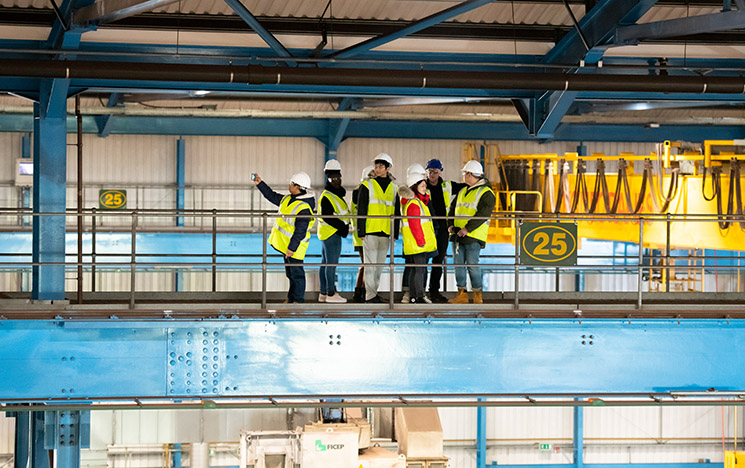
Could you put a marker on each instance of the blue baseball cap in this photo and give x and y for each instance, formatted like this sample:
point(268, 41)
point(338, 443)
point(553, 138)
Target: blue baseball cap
point(434, 164)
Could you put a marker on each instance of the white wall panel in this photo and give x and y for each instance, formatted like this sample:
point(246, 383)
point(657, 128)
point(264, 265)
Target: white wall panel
point(7, 434)
point(357, 153)
point(458, 423)
point(10, 150)
point(231, 160)
point(126, 159)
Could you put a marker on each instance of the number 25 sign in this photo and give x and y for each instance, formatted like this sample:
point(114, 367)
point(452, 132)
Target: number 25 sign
point(548, 244)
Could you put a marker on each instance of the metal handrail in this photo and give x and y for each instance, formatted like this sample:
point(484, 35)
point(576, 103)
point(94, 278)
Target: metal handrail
point(212, 259)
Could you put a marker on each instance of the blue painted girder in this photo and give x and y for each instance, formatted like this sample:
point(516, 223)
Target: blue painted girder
point(598, 25)
point(173, 359)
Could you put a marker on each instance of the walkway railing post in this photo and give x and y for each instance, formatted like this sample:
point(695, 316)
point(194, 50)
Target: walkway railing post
point(133, 261)
point(263, 260)
point(640, 266)
point(392, 245)
point(214, 250)
point(517, 262)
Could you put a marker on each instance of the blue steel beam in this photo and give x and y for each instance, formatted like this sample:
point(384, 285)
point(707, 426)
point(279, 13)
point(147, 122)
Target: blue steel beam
point(105, 121)
point(389, 129)
point(50, 169)
point(291, 357)
point(251, 20)
point(416, 26)
point(700, 24)
point(337, 127)
point(597, 26)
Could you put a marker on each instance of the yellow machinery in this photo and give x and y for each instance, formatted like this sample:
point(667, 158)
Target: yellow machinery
point(734, 459)
point(674, 180)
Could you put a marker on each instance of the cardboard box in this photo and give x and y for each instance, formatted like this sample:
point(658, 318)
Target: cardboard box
point(419, 432)
point(378, 457)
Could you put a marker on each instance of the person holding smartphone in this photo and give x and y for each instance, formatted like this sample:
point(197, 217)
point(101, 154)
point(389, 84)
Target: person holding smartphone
point(290, 234)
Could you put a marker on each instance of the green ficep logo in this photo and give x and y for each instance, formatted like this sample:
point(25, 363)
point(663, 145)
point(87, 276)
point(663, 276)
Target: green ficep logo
point(548, 244)
point(321, 447)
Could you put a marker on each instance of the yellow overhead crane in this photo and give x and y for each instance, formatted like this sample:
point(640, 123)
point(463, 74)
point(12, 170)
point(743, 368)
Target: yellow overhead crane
point(679, 179)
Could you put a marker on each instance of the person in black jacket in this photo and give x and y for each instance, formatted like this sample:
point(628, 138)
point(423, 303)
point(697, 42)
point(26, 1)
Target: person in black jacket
point(333, 227)
point(375, 232)
point(442, 194)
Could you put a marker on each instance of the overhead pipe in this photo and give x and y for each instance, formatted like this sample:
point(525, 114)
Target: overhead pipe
point(352, 77)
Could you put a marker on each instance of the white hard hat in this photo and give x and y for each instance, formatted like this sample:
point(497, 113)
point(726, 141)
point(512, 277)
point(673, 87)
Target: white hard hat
point(383, 157)
point(415, 169)
point(332, 165)
point(366, 173)
point(413, 178)
point(474, 167)
point(301, 179)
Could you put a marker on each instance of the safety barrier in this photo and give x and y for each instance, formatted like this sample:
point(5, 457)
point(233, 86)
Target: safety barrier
point(659, 266)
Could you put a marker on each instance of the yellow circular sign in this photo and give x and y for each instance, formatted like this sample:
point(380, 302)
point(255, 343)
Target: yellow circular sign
point(549, 243)
point(112, 199)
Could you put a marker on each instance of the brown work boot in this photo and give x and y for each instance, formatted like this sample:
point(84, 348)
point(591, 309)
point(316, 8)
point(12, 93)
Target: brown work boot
point(460, 298)
point(477, 298)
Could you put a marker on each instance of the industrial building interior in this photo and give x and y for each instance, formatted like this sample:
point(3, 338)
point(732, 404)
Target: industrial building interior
point(142, 322)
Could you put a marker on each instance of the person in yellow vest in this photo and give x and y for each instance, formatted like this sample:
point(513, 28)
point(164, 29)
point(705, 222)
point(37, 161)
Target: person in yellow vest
point(418, 234)
point(441, 193)
point(359, 289)
point(469, 225)
point(333, 226)
point(290, 235)
point(377, 197)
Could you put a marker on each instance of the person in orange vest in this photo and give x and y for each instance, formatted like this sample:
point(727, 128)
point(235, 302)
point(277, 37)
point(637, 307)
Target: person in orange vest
point(290, 235)
point(418, 231)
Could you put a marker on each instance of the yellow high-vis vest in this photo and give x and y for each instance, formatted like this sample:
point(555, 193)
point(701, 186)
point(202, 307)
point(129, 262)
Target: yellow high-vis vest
point(380, 204)
point(284, 227)
point(341, 208)
point(466, 205)
point(430, 241)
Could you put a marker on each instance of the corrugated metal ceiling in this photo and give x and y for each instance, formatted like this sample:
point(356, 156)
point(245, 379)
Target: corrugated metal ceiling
point(404, 10)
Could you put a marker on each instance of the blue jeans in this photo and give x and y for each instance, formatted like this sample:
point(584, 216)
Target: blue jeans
point(468, 254)
point(296, 274)
point(330, 253)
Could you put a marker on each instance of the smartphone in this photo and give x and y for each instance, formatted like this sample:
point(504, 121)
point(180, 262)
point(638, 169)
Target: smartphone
point(253, 176)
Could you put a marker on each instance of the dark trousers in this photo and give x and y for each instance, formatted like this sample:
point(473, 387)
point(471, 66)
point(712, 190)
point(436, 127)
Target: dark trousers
point(417, 274)
point(296, 274)
point(442, 255)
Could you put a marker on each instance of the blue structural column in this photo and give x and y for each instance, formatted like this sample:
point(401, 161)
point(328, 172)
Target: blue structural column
point(180, 177)
point(481, 436)
point(50, 176)
point(176, 456)
point(578, 438)
point(30, 451)
point(178, 276)
point(67, 432)
point(26, 191)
